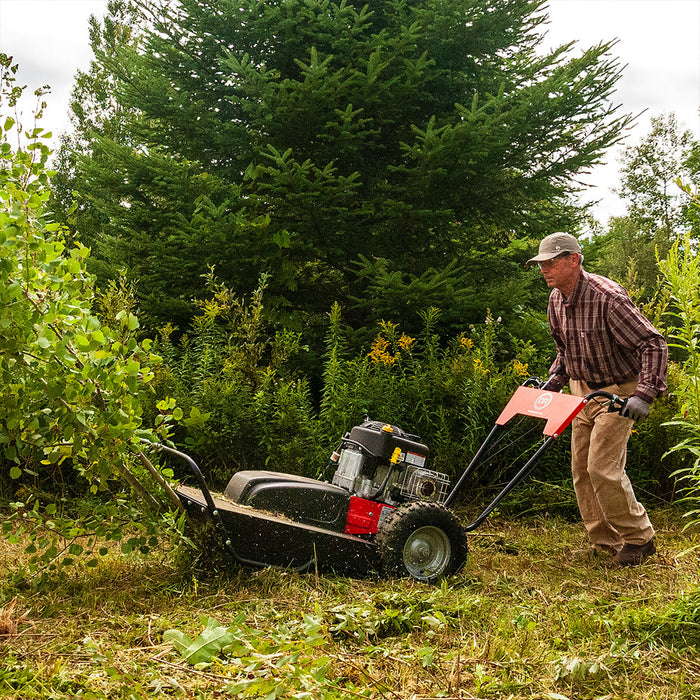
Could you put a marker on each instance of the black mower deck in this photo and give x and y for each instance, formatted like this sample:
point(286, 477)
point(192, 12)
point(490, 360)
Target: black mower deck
point(266, 539)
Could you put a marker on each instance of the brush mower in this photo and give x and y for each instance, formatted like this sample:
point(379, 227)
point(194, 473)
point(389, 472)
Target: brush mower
point(382, 510)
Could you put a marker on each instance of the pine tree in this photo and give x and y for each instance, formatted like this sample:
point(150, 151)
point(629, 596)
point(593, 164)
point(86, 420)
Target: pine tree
point(294, 136)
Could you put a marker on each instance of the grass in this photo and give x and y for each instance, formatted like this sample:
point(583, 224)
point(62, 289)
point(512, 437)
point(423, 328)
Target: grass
point(525, 619)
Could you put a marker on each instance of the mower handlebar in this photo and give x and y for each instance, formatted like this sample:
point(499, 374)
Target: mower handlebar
point(617, 404)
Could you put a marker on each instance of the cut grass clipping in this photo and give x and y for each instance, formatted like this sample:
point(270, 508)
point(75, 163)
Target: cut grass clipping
point(530, 616)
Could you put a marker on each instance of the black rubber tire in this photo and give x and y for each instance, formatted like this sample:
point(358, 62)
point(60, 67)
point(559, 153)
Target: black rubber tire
point(422, 540)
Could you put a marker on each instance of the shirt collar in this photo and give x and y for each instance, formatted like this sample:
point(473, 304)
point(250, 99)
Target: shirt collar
point(579, 289)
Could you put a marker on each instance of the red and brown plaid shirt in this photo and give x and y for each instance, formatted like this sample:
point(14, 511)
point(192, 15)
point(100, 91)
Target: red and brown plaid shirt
point(602, 338)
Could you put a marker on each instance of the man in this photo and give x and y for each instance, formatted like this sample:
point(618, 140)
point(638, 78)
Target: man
point(603, 343)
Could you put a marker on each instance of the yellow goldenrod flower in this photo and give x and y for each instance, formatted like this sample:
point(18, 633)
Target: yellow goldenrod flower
point(406, 342)
point(380, 351)
point(479, 366)
point(520, 369)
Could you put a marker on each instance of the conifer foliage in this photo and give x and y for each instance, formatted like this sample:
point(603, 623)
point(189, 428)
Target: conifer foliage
point(294, 136)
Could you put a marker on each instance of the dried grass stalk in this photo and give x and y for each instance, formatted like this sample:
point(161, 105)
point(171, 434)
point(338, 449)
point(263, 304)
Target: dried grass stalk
point(8, 623)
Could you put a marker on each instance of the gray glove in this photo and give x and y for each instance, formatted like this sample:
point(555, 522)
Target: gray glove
point(637, 409)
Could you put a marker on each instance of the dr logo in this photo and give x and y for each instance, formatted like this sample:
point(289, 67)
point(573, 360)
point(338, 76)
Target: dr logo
point(542, 401)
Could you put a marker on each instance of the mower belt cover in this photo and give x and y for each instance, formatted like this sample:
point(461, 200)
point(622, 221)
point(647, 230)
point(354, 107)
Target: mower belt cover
point(299, 498)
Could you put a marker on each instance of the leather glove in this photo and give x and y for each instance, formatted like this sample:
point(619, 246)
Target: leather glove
point(555, 383)
point(636, 408)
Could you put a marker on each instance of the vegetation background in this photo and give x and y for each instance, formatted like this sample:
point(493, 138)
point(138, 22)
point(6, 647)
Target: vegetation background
point(272, 220)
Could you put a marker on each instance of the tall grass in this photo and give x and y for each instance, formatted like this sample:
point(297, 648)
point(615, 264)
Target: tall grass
point(681, 272)
point(246, 404)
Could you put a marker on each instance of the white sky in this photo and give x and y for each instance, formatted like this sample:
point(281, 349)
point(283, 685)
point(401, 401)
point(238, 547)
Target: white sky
point(659, 42)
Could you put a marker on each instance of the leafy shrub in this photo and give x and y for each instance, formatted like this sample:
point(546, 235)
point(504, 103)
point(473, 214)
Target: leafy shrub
point(73, 383)
point(681, 272)
point(243, 406)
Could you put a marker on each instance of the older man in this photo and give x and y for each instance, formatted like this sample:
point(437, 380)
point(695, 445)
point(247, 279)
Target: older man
point(603, 342)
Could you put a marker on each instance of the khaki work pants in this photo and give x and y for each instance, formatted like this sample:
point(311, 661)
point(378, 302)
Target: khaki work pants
point(610, 511)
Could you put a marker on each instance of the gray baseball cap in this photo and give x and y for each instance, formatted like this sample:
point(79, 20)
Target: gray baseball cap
point(555, 244)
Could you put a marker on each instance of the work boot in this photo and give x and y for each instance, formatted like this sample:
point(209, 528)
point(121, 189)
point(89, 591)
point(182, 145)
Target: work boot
point(635, 554)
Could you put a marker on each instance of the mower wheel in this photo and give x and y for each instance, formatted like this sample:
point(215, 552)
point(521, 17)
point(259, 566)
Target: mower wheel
point(422, 540)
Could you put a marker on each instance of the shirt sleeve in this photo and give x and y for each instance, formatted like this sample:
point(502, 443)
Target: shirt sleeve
point(635, 333)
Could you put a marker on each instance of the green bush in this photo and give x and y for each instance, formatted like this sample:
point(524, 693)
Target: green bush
point(74, 382)
point(245, 406)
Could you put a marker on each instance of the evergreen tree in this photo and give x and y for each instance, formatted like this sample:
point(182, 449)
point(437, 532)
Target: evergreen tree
point(296, 136)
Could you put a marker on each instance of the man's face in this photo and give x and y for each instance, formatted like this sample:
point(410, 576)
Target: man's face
point(561, 272)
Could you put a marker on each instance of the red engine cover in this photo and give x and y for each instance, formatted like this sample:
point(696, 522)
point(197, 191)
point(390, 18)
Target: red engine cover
point(365, 516)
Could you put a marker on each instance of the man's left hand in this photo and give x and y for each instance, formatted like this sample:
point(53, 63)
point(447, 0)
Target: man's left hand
point(637, 409)
point(555, 383)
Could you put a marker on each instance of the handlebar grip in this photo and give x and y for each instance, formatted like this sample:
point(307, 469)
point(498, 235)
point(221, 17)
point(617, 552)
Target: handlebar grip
point(616, 404)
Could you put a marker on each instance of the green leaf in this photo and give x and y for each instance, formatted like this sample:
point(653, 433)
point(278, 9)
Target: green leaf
point(205, 647)
point(426, 655)
point(15, 473)
point(130, 545)
point(132, 368)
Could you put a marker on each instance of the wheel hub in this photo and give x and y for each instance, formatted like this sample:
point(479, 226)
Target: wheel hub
point(426, 552)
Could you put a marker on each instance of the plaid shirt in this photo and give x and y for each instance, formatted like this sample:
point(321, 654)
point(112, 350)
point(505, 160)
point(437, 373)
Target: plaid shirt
point(602, 338)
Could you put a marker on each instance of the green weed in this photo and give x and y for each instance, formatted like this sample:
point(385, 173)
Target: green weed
point(529, 617)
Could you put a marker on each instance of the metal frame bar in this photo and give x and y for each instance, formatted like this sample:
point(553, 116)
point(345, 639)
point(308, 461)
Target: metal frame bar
point(616, 405)
point(214, 513)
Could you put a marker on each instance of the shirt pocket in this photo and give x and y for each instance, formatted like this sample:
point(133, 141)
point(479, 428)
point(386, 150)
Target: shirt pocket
point(597, 347)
